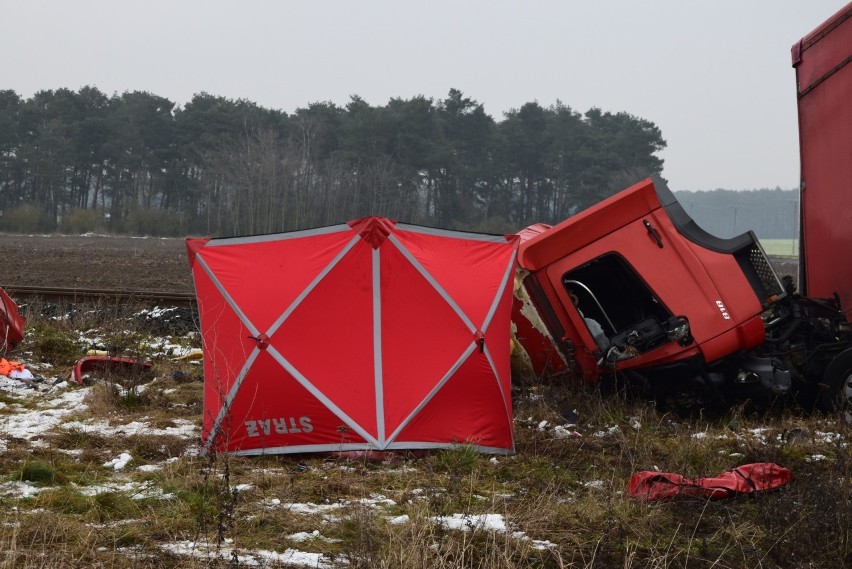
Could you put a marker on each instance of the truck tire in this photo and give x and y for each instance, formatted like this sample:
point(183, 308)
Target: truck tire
point(838, 380)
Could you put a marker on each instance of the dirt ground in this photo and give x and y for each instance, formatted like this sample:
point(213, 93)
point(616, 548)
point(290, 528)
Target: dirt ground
point(95, 261)
point(123, 263)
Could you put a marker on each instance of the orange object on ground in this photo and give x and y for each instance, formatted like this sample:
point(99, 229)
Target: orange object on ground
point(7, 367)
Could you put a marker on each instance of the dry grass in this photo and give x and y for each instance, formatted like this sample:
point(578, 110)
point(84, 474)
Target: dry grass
point(561, 497)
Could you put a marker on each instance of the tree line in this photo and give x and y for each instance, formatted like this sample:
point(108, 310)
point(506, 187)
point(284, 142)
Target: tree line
point(139, 163)
point(770, 213)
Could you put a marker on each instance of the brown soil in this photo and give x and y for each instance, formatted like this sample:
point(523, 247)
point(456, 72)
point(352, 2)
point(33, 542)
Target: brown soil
point(96, 261)
point(123, 263)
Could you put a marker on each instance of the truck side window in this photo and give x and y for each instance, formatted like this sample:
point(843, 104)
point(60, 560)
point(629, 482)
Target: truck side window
point(609, 292)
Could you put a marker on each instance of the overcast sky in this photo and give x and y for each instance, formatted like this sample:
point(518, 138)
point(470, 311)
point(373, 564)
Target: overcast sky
point(715, 76)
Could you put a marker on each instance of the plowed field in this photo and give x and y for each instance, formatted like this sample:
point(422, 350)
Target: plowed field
point(95, 261)
point(124, 263)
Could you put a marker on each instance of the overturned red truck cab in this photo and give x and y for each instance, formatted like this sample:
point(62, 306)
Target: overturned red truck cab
point(633, 287)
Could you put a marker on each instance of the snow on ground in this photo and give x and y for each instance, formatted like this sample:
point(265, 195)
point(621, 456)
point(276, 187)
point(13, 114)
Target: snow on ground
point(307, 536)
point(44, 406)
point(257, 557)
point(460, 522)
point(47, 406)
point(608, 432)
point(156, 467)
point(33, 409)
point(183, 428)
point(483, 522)
point(135, 490)
point(120, 462)
point(19, 489)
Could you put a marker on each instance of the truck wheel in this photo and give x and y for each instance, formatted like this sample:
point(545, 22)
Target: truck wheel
point(838, 379)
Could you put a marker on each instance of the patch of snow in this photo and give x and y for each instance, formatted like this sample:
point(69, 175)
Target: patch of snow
point(303, 535)
point(116, 523)
point(829, 438)
point(185, 429)
point(19, 489)
point(327, 510)
point(120, 462)
point(165, 347)
point(815, 458)
point(306, 536)
point(759, 434)
point(309, 508)
point(563, 432)
point(376, 500)
point(33, 423)
point(399, 520)
point(136, 490)
point(64, 384)
point(70, 451)
point(156, 312)
point(251, 558)
point(401, 470)
point(469, 522)
point(609, 431)
point(124, 392)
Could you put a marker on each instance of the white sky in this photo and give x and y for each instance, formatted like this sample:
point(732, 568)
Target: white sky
point(715, 76)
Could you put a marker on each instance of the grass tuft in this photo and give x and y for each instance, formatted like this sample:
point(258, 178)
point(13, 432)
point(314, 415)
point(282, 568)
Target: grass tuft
point(36, 471)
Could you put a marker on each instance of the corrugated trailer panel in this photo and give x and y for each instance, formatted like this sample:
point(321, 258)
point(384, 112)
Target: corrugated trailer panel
point(823, 62)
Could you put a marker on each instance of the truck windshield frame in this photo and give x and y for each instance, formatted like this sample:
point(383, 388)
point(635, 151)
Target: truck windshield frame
point(609, 291)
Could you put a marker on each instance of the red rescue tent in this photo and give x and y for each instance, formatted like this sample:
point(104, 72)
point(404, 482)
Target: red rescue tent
point(370, 335)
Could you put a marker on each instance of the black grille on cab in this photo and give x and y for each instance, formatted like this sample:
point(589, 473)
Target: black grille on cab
point(760, 274)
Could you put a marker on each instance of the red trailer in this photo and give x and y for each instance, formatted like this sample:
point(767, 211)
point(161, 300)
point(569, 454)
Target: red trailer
point(823, 63)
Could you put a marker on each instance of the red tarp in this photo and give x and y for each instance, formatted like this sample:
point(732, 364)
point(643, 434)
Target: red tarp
point(11, 323)
point(746, 479)
point(370, 335)
point(106, 363)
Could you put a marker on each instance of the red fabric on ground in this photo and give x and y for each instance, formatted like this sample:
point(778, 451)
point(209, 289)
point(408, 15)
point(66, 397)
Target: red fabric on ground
point(746, 479)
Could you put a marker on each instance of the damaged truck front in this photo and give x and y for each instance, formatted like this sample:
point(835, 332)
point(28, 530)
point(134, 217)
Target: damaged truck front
point(634, 288)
